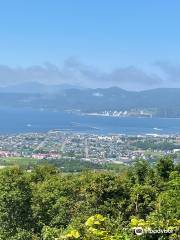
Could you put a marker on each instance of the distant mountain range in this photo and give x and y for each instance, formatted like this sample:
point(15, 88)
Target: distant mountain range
point(34, 87)
point(160, 102)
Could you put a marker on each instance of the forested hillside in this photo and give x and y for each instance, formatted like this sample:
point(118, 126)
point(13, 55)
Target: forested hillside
point(159, 102)
point(93, 205)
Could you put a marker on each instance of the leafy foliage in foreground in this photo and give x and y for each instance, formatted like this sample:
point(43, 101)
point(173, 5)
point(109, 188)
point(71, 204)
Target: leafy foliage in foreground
point(47, 204)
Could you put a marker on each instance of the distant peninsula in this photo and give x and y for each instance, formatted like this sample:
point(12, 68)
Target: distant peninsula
point(114, 101)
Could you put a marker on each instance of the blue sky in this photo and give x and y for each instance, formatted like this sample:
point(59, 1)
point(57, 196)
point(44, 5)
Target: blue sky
point(100, 37)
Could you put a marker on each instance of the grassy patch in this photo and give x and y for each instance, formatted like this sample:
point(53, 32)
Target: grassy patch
point(21, 161)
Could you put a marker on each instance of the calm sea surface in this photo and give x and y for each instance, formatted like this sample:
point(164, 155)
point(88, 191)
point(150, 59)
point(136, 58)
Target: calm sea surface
point(28, 120)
